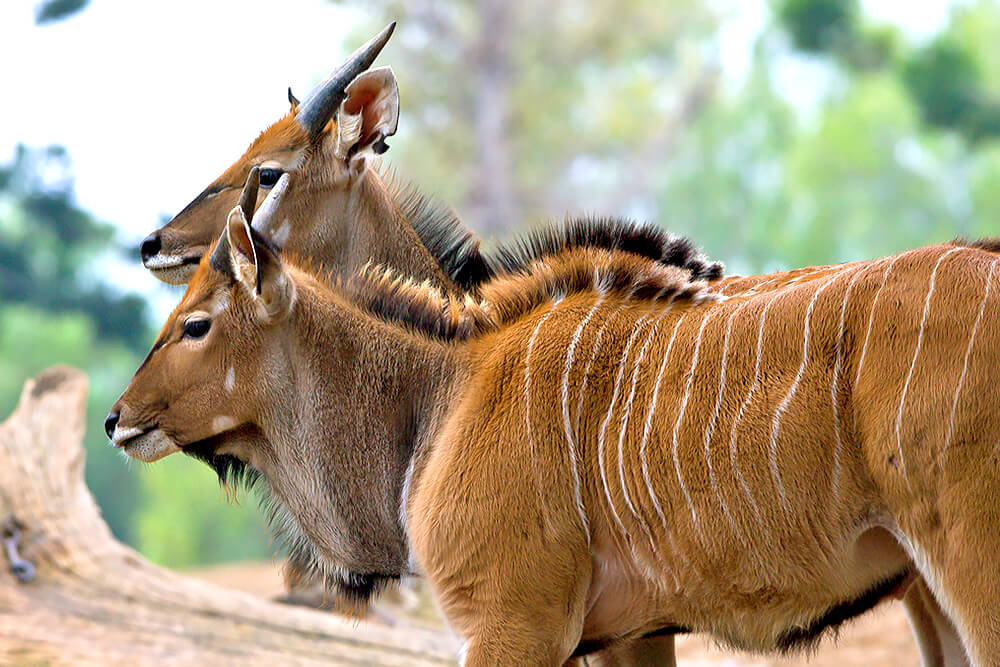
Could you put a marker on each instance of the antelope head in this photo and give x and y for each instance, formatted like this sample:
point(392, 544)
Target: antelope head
point(327, 138)
point(257, 346)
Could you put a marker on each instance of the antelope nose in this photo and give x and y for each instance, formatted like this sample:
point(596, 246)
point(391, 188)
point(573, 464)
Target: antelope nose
point(110, 423)
point(150, 247)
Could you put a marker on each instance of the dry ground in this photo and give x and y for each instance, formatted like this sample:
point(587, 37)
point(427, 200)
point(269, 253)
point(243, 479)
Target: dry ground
point(880, 639)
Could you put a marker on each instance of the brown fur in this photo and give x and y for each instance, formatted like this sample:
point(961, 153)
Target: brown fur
point(820, 514)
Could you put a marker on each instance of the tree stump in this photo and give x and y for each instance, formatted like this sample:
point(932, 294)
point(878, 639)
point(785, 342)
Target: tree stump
point(93, 600)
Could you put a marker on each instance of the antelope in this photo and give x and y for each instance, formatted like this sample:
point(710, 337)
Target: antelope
point(342, 212)
point(548, 460)
point(345, 219)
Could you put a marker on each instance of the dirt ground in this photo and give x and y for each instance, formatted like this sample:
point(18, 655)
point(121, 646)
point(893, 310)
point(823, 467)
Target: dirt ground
point(879, 639)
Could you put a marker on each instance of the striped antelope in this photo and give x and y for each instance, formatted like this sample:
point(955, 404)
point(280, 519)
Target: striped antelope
point(604, 449)
point(341, 213)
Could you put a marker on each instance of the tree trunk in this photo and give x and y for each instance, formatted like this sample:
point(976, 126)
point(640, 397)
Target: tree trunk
point(492, 197)
point(94, 600)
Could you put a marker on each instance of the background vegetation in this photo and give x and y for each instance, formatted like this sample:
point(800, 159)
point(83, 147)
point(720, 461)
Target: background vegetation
point(833, 137)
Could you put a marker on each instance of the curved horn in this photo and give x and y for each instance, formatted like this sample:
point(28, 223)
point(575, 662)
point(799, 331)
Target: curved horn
point(248, 198)
point(323, 101)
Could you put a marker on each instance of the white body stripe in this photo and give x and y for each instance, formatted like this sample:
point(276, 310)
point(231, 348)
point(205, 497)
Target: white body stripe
point(570, 438)
point(835, 385)
point(627, 410)
point(590, 363)
point(965, 364)
point(607, 418)
point(772, 454)
point(680, 419)
point(710, 430)
point(649, 422)
point(913, 364)
point(871, 318)
point(746, 401)
point(527, 399)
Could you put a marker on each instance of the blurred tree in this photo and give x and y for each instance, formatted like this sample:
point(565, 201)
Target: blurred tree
point(47, 242)
point(514, 109)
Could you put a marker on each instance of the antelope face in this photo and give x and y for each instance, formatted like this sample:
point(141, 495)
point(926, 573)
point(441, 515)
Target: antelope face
point(188, 388)
point(324, 140)
point(220, 384)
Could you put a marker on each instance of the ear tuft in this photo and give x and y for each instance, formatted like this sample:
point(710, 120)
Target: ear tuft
point(292, 100)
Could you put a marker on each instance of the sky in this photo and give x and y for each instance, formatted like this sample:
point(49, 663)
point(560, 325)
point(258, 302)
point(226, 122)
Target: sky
point(154, 99)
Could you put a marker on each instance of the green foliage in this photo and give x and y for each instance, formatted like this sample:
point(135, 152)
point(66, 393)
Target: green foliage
point(185, 518)
point(819, 26)
point(944, 81)
point(47, 243)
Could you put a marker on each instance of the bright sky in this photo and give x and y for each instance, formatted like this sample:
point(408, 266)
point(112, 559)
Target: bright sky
point(154, 99)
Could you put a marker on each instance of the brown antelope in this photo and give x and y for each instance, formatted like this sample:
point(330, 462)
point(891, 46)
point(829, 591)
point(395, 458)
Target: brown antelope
point(602, 448)
point(344, 219)
point(342, 213)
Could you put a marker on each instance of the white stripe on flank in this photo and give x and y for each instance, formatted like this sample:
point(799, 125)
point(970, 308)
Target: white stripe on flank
point(772, 455)
point(680, 419)
point(570, 439)
point(746, 401)
point(871, 319)
point(968, 351)
point(649, 422)
point(710, 430)
point(637, 327)
point(626, 412)
point(590, 363)
point(835, 385)
point(913, 365)
point(527, 396)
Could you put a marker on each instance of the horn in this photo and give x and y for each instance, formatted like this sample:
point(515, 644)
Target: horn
point(248, 198)
point(262, 218)
point(323, 101)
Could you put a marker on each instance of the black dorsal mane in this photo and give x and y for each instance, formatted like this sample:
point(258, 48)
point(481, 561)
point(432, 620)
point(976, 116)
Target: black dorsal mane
point(603, 233)
point(456, 248)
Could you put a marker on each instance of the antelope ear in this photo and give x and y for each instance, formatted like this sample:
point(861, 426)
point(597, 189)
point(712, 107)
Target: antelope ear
point(368, 114)
point(258, 268)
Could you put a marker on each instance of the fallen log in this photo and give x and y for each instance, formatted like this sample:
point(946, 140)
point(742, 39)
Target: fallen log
point(92, 600)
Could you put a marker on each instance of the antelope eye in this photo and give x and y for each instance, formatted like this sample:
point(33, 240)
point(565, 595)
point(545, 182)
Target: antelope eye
point(269, 176)
point(196, 328)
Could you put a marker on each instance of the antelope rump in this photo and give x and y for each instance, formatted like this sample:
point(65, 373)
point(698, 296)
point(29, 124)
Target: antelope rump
point(599, 447)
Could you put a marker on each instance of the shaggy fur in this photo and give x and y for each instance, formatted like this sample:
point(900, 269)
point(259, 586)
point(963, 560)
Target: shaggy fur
point(383, 293)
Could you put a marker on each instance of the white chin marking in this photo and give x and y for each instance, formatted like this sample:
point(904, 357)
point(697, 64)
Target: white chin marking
point(220, 424)
point(151, 446)
point(174, 275)
point(119, 435)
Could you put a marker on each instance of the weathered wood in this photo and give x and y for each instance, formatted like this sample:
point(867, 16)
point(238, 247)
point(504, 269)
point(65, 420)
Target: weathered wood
point(96, 601)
